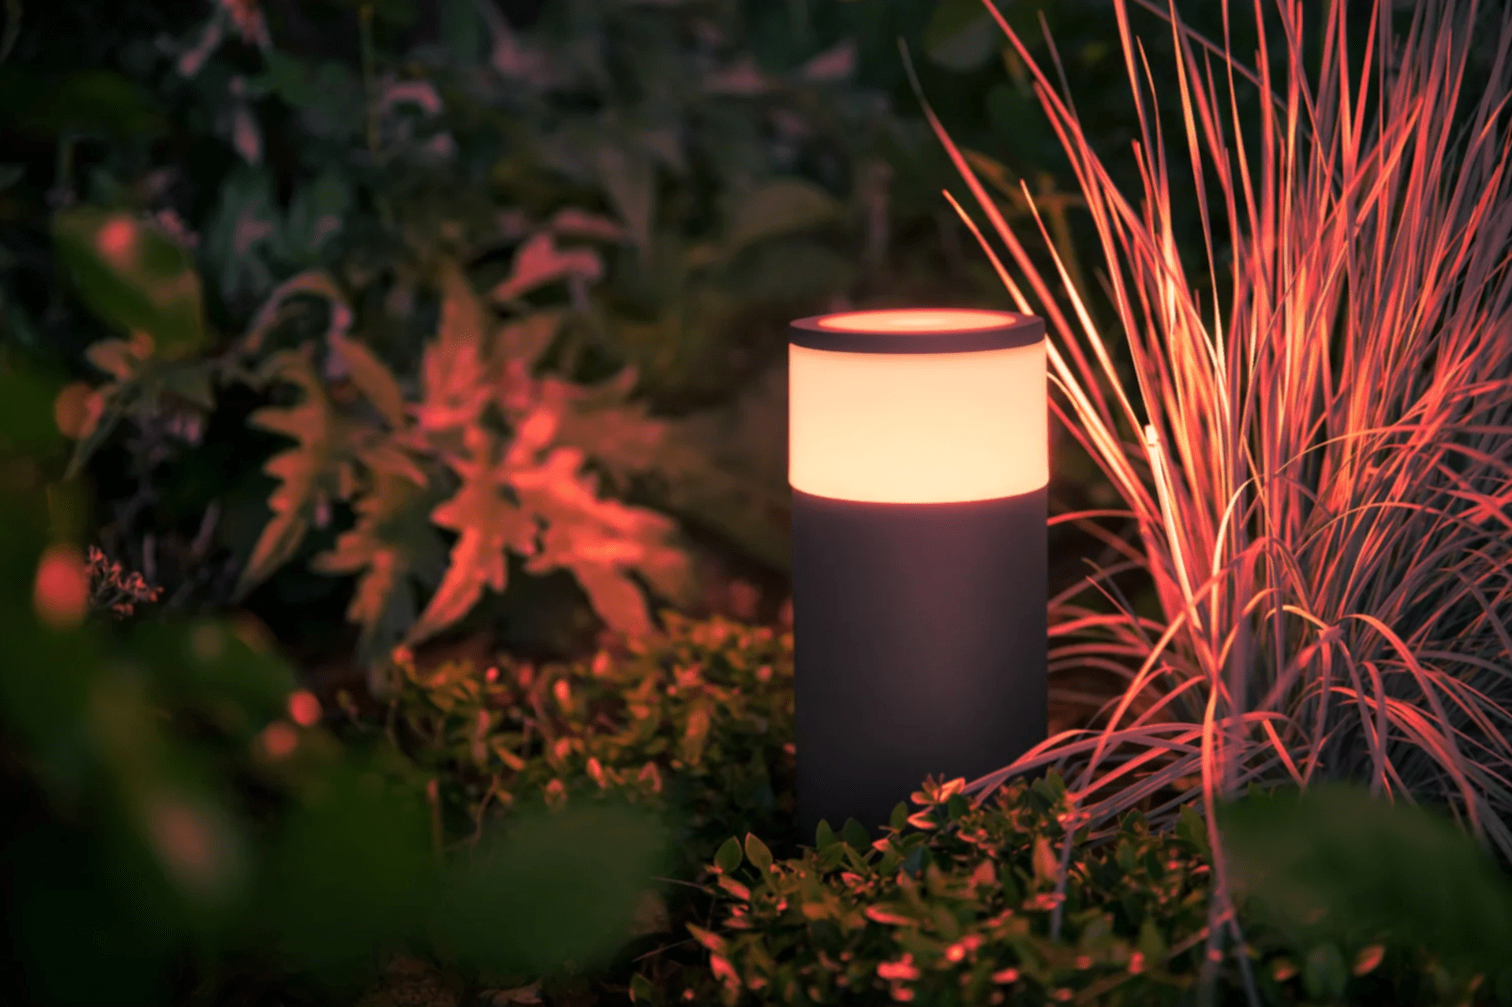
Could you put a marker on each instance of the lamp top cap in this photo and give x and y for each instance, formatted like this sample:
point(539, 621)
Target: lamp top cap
point(917, 330)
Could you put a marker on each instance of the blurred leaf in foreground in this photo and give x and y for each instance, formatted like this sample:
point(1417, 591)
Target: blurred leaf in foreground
point(133, 276)
point(1335, 863)
point(551, 889)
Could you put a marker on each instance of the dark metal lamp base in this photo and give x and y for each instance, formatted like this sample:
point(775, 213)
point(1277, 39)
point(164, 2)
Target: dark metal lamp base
point(920, 646)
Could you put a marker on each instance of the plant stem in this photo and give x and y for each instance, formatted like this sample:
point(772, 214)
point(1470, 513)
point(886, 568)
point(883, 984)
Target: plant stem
point(369, 84)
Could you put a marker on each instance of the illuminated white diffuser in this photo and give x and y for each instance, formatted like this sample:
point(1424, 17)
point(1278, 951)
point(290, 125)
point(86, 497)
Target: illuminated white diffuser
point(919, 460)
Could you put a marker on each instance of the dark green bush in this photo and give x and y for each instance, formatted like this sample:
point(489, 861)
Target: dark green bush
point(961, 904)
point(697, 722)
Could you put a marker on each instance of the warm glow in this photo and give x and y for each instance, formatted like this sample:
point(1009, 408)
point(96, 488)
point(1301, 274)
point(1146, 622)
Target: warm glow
point(917, 427)
point(304, 708)
point(914, 320)
point(60, 592)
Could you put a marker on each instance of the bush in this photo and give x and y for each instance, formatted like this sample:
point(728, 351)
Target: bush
point(697, 722)
point(964, 907)
point(1015, 902)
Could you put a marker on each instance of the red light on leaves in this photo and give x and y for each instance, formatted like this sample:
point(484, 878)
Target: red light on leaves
point(61, 591)
point(279, 739)
point(304, 709)
point(116, 238)
point(77, 410)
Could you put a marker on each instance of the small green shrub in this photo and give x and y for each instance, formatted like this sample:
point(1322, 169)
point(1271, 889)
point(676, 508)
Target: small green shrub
point(697, 721)
point(963, 908)
point(961, 904)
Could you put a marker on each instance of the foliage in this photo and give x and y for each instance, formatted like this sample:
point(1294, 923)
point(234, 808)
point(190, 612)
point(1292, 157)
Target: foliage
point(174, 807)
point(960, 908)
point(1314, 451)
point(655, 217)
point(697, 722)
point(491, 451)
point(967, 904)
point(112, 589)
point(681, 179)
point(1335, 864)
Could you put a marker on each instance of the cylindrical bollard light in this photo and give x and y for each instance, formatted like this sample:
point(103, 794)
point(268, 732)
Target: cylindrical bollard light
point(919, 461)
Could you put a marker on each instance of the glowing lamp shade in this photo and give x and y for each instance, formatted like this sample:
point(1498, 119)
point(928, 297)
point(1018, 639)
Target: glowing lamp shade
point(919, 462)
point(917, 427)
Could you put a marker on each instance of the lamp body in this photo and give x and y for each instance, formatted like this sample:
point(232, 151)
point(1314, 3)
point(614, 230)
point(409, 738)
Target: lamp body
point(918, 459)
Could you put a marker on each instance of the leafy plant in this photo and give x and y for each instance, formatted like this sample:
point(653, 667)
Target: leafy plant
point(1315, 450)
point(175, 807)
point(697, 721)
point(654, 219)
point(1008, 901)
point(960, 904)
point(1335, 866)
point(492, 452)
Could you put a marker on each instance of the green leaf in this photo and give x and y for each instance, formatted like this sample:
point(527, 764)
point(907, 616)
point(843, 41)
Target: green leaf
point(961, 35)
point(729, 855)
point(317, 213)
point(1194, 830)
point(780, 207)
point(1338, 866)
point(133, 276)
point(642, 991)
point(92, 101)
point(552, 888)
point(899, 817)
point(856, 836)
point(757, 853)
point(1009, 884)
point(393, 548)
point(824, 836)
point(26, 412)
point(243, 240)
point(1324, 973)
point(1151, 944)
point(329, 93)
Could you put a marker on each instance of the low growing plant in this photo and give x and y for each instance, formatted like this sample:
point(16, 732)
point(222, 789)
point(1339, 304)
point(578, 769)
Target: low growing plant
point(954, 905)
point(1010, 901)
point(696, 721)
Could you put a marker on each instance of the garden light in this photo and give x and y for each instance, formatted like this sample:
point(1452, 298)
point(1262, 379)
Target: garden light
point(918, 459)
